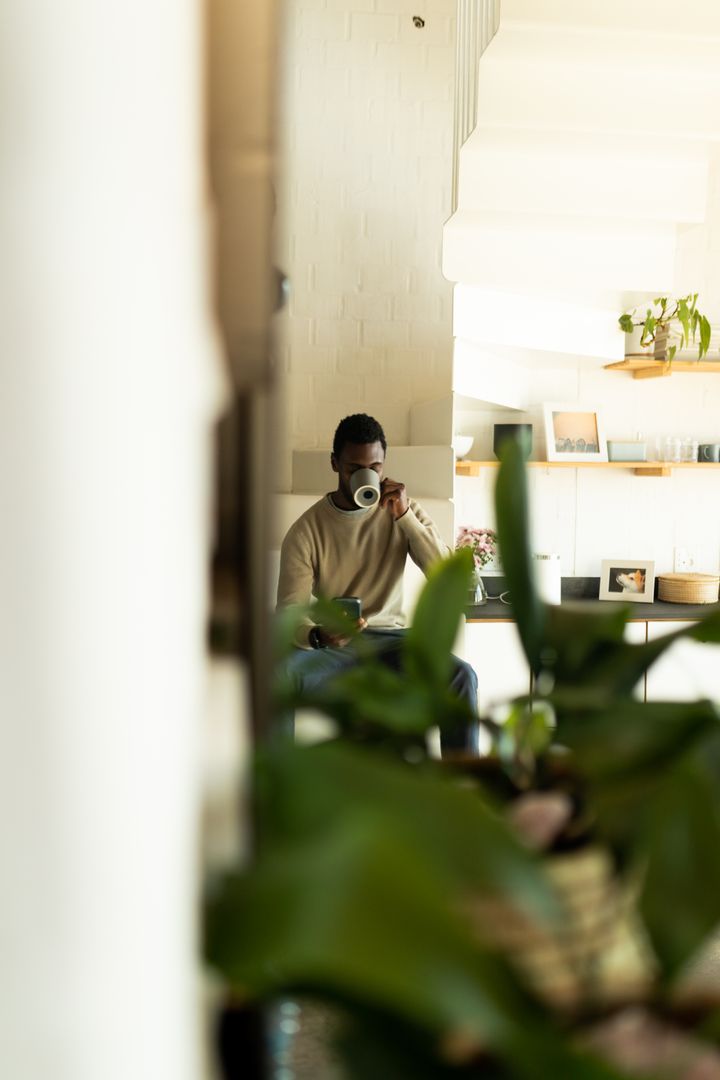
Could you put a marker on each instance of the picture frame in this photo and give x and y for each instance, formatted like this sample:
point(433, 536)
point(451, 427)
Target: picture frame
point(628, 580)
point(574, 433)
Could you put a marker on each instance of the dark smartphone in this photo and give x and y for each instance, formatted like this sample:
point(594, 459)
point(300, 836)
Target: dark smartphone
point(351, 605)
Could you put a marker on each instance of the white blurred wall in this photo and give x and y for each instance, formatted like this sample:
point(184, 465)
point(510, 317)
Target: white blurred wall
point(109, 385)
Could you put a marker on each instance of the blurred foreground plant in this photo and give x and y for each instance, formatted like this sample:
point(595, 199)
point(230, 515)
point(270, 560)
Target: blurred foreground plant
point(648, 772)
point(406, 891)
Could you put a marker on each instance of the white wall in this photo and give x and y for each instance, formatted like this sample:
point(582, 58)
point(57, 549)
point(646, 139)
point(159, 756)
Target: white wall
point(588, 515)
point(366, 158)
point(110, 385)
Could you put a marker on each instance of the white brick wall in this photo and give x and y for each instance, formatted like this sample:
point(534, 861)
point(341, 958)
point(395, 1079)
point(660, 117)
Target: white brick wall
point(365, 188)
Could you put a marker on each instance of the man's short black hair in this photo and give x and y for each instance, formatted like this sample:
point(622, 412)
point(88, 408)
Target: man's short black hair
point(358, 428)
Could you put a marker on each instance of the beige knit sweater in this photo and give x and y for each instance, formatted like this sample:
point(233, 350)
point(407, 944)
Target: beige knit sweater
point(329, 553)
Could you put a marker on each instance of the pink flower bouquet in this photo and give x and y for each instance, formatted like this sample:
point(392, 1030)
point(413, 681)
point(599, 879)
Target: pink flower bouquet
point(483, 543)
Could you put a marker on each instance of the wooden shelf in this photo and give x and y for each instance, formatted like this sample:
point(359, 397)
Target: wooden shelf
point(640, 468)
point(641, 366)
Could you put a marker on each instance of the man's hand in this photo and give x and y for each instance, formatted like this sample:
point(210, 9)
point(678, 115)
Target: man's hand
point(394, 497)
point(337, 641)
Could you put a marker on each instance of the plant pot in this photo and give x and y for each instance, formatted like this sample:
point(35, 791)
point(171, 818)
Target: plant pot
point(656, 350)
point(660, 347)
point(597, 956)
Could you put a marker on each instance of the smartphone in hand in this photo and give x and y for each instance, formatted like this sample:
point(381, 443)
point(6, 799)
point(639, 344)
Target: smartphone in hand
point(351, 605)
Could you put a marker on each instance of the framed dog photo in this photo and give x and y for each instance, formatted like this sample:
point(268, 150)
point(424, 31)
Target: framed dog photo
point(574, 433)
point(625, 579)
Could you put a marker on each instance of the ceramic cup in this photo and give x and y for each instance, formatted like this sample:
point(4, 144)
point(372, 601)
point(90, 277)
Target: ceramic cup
point(365, 487)
point(709, 451)
point(521, 433)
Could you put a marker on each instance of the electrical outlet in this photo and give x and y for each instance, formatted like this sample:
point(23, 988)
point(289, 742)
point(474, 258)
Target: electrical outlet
point(684, 560)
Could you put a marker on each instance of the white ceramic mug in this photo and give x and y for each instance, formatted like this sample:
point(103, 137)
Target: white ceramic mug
point(365, 487)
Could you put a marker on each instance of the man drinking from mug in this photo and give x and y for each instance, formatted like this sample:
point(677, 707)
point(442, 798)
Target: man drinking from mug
point(338, 548)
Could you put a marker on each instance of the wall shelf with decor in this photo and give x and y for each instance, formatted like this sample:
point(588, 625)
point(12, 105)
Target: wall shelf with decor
point(641, 366)
point(644, 468)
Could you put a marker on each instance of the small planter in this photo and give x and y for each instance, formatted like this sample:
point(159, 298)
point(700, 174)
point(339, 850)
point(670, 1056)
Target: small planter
point(660, 347)
point(657, 349)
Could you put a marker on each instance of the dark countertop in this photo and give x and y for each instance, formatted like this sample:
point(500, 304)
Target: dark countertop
point(583, 592)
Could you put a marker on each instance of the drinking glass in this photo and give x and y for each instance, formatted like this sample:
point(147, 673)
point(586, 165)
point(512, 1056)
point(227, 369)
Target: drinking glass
point(672, 448)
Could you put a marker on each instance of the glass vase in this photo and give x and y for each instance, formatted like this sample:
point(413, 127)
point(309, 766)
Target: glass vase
point(477, 594)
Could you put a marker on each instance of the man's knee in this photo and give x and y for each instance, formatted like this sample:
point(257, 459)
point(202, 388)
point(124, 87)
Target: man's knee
point(309, 669)
point(465, 681)
point(466, 673)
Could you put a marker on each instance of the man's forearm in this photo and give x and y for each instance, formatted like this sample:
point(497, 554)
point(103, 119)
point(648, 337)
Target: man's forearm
point(424, 541)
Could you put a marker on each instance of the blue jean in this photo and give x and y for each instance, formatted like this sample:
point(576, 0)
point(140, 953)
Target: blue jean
point(311, 669)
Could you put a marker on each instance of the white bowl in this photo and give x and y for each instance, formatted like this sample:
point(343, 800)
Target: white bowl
point(461, 445)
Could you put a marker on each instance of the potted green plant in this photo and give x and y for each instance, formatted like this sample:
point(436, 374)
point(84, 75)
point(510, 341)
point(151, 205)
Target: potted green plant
point(666, 319)
point(412, 895)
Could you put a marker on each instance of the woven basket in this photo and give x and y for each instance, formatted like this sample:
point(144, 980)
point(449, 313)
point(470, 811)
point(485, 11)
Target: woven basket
point(688, 588)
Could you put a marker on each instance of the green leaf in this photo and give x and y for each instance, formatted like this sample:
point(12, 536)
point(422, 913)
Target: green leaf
point(429, 641)
point(666, 822)
point(356, 914)
point(285, 624)
point(524, 736)
point(648, 333)
point(681, 837)
point(705, 334)
point(626, 323)
point(445, 820)
point(709, 1026)
point(375, 1046)
point(585, 648)
point(372, 703)
point(634, 737)
point(371, 695)
point(288, 620)
point(332, 617)
point(705, 629)
point(683, 316)
point(513, 527)
point(363, 866)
